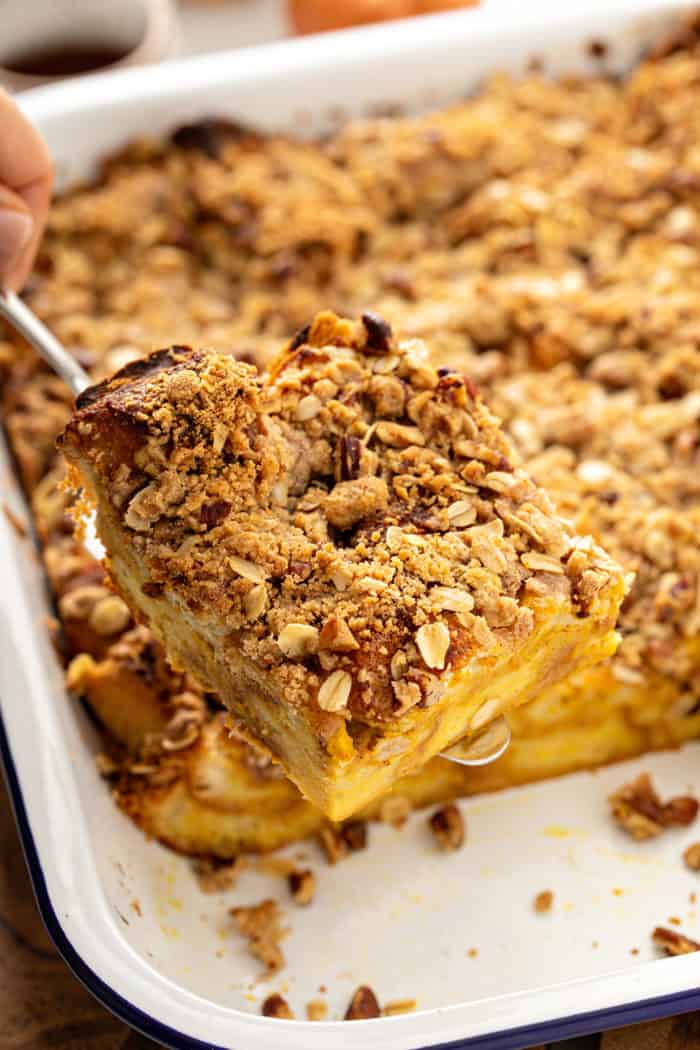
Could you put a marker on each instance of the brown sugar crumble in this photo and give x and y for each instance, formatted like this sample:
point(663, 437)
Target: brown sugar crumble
point(447, 826)
point(276, 1006)
point(543, 902)
point(673, 943)
point(638, 810)
point(262, 925)
point(363, 1005)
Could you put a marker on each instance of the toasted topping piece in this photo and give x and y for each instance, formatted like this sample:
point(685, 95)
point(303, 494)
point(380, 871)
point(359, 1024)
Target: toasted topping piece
point(447, 825)
point(276, 1006)
point(336, 842)
point(363, 1005)
point(262, 925)
point(354, 834)
point(332, 843)
point(691, 856)
point(335, 691)
point(543, 902)
point(302, 885)
point(433, 641)
point(316, 1010)
point(638, 810)
point(298, 640)
point(672, 942)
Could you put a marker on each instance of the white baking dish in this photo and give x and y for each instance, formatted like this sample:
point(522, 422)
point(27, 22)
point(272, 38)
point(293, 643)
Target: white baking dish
point(399, 917)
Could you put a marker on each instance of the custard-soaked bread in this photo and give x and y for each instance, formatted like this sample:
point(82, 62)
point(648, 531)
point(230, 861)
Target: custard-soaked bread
point(342, 549)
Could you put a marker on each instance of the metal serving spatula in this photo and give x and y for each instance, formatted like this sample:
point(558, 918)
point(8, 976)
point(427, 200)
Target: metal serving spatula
point(480, 750)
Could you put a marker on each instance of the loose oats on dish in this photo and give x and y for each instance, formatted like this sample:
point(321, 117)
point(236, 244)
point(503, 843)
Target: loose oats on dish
point(392, 540)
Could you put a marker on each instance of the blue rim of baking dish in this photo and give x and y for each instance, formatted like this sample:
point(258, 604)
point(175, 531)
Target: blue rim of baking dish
point(509, 1039)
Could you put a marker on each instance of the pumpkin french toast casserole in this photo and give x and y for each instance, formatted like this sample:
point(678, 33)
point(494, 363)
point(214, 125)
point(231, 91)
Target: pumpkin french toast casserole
point(342, 549)
point(543, 238)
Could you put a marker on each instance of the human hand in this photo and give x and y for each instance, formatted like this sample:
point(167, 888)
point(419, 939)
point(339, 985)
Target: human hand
point(26, 176)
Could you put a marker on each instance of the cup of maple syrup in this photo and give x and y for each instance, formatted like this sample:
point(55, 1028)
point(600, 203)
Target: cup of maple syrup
point(46, 40)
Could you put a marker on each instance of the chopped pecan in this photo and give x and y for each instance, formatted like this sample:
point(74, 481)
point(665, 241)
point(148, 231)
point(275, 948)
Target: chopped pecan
point(300, 338)
point(363, 1005)
point(349, 455)
point(447, 826)
point(302, 885)
point(379, 334)
point(354, 833)
point(276, 1006)
point(673, 943)
point(337, 842)
point(543, 902)
point(638, 810)
point(333, 844)
point(214, 512)
point(691, 856)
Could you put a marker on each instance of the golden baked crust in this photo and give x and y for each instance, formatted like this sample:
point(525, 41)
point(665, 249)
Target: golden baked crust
point(344, 538)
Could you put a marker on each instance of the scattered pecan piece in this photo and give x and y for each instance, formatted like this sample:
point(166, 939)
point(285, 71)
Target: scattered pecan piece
point(338, 841)
point(276, 1006)
point(354, 834)
point(300, 338)
point(302, 885)
point(673, 943)
point(332, 843)
point(349, 455)
point(262, 925)
point(379, 334)
point(214, 512)
point(363, 1005)
point(447, 826)
point(638, 810)
point(543, 902)
point(691, 856)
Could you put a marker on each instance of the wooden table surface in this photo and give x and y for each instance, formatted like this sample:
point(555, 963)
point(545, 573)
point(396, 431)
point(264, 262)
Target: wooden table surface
point(43, 1007)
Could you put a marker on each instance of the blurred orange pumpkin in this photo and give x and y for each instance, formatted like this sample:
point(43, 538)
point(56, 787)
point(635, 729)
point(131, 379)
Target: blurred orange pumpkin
point(318, 16)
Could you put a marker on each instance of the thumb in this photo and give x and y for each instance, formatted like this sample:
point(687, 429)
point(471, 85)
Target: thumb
point(16, 232)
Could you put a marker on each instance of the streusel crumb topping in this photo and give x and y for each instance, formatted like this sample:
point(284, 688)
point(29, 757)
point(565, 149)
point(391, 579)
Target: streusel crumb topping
point(354, 520)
